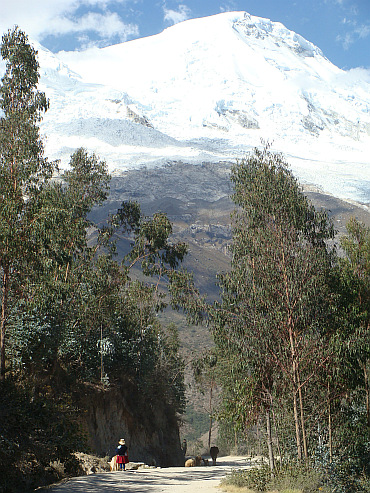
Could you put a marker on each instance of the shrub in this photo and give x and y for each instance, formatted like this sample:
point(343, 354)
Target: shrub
point(38, 432)
point(291, 478)
point(294, 476)
point(256, 478)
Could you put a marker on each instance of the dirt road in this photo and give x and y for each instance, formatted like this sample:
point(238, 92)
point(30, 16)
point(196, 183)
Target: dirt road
point(166, 480)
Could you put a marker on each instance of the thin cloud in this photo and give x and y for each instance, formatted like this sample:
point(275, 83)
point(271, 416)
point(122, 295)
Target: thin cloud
point(354, 30)
point(228, 6)
point(342, 3)
point(63, 17)
point(355, 77)
point(347, 40)
point(106, 26)
point(352, 36)
point(346, 5)
point(363, 31)
point(176, 16)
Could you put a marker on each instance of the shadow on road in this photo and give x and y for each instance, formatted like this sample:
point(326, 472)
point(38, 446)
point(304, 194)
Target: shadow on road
point(172, 479)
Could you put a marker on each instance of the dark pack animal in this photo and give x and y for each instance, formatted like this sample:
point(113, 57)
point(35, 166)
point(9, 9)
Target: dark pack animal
point(214, 451)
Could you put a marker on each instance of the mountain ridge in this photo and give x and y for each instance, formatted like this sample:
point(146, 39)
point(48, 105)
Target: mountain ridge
point(209, 90)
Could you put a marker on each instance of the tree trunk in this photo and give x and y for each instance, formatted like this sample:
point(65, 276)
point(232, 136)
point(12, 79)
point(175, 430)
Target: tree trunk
point(101, 354)
point(296, 421)
point(278, 446)
point(366, 377)
point(3, 320)
point(258, 437)
point(210, 432)
point(269, 442)
point(295, 386)
point(210, 415)
point(330, 438)
point(303, 427)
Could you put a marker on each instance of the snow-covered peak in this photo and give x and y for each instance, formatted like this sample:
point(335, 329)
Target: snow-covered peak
point(209, 89)
point(52, 68)
point(249, 26)
point(219, 39)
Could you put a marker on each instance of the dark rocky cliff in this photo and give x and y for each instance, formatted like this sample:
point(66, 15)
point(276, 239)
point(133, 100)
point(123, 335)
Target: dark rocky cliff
point(151, 430)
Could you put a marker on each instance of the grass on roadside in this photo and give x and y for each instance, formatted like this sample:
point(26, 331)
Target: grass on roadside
point(292, 478)
point(237, 489)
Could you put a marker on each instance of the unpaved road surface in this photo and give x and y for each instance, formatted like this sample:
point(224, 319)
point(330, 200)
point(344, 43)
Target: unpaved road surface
point(167, 480)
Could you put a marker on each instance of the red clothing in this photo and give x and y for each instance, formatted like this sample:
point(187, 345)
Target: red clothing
point(122, 459)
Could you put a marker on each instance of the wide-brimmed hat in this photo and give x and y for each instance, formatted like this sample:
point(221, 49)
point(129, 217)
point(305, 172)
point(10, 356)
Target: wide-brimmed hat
point(122, 441)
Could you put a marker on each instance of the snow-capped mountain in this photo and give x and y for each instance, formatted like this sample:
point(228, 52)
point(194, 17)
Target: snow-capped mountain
point(208, 90)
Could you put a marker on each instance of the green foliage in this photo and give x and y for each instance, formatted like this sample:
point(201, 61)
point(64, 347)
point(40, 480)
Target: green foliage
point(23, 172)
point(301, 477)
point(204, 367)
point(21, 75)
point(354, 439)
point(274, 301)
point(350, 395)
point(353, 286)
point(294, 319)
point(255, 478)
point(30, 338)
point(349, 469)
point(87, 182)
point(198, 421)
point(233, 441)
point(290, 477)
point(60, 275)
point(36, 428)
point(170, 369)
point(70, 311)
point(152, 248)
point(291, 332)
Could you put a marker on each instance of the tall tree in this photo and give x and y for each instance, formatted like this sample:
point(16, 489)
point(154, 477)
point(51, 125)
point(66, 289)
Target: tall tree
point(23, 169)
point(275, 294)
point(355, 277)
point(204, 370)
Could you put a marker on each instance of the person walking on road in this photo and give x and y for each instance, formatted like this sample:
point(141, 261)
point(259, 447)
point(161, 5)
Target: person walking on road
point(122, 455)
point(184, 446)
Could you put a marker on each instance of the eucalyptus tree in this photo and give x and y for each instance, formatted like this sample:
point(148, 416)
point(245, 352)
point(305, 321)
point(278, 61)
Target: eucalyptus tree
point(24, 170)
point(69, 310)
point(355, 302)
point(101, 317)
point(275, 296)
point(205, 374)
point(67, 263)
point(42, 221)
point(346, 378)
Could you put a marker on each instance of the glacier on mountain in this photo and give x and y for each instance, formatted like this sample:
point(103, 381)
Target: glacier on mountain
point(208, 90)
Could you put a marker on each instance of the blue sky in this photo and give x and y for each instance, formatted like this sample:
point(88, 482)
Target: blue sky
point(341, 28)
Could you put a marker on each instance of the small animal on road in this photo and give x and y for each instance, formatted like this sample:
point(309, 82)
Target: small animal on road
point(113, 464)
point(190, 463)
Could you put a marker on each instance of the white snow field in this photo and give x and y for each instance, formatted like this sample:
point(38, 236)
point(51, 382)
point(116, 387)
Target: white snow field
point(208, 90)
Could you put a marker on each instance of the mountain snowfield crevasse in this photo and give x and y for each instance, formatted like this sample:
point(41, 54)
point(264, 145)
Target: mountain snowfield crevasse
point(210, 89)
